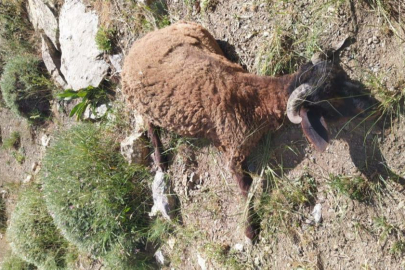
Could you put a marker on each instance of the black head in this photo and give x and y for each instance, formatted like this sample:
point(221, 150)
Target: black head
point(323, 93)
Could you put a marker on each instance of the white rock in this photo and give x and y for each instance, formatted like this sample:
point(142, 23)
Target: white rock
point(159, 257)
point(27, 179)
point(317, 213)
point(202, 262)
point(42, 18)
point(52, 62)
point(171, 242)
point(80, 62)
point(161, 202)
point(99, 112)
point(133, 149)
point(45, 139)
point(116, 62)
point(238, 247)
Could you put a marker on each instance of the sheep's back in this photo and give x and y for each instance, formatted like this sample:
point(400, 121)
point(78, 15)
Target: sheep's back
point(179, 79)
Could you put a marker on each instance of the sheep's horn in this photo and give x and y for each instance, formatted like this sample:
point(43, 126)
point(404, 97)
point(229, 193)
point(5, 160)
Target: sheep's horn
point(294, 102)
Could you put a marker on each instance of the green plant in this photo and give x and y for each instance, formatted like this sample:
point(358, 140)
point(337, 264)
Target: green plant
point(398, 248)
point(356, 188)
point(14, 262)
point(19, 156)
point(26, 91)
point(102, 202)
point(104, 39)
point(224, 256)
point(13, 141)
point(280, 209)
point(90, 96)
point(3, 215)
point(384, 228)
point(32, 234)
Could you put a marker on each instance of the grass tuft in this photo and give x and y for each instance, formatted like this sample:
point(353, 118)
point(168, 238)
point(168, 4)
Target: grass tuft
point(13, 141)
point(3, 215)
point(25, 90)
point(104, 39)
point(32, 234)
point(356, 188)
point(14, 262)
point(102, 203)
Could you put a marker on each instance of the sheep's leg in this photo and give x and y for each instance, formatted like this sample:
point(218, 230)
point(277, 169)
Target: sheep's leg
point(244, 181)
point(159, 158)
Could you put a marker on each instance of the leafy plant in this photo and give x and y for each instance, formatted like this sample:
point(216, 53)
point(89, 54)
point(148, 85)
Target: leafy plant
point(25, 89)
point(102, 202)
point(90, 96)
point(32, 234)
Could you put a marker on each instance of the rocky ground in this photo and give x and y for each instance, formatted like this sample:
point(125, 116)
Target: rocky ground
point(362, 225)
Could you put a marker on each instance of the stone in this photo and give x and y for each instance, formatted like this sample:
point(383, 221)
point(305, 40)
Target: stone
point(42, 18)
point(81, 61)
point(116, 62)
point(202, 262)
point(161, 201)
point(45, 139)
point(99, 112)
point(317, 213)
point(52, 61)
point(134, 149)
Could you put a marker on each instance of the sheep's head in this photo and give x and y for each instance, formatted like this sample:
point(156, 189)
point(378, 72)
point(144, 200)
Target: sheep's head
point(322, 92)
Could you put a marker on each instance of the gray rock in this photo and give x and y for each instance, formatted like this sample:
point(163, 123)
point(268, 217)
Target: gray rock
point(42, 18)
point(51, 58)
point(99, 112)
point(161, 201)
point(116, 62)
point(81, 63)
point(133, 149)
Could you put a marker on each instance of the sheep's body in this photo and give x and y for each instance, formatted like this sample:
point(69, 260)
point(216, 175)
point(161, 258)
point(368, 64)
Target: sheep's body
point(179, 79)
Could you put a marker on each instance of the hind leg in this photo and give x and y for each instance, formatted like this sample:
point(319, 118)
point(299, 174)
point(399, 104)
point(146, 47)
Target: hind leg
point(159, 158)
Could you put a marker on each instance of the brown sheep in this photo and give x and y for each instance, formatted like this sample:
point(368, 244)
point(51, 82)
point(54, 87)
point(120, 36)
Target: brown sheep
point(179, 79)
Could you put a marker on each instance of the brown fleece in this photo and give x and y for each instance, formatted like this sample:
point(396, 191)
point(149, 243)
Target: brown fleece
point(179, 79)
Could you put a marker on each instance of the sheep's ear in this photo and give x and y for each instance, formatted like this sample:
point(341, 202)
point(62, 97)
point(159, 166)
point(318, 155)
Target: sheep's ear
point(314, 126)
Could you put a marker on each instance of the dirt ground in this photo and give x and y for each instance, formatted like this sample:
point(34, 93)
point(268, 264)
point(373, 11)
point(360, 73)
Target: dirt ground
point(353, 234)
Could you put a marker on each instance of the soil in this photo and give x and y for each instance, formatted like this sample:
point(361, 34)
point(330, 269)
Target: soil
point(349, 235)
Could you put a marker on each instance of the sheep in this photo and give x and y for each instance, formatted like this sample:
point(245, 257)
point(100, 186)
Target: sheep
point(179, 79)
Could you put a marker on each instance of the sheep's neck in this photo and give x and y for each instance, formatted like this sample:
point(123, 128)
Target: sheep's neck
point(268, 95)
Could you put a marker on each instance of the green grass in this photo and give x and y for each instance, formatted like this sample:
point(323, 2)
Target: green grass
point(356, 188)
point(102, 203)
point(32, 234)
point(281, 207)
point(3, 215)
point(13, 141)
point(104, 39)
point(14, 262)
point(25, 89)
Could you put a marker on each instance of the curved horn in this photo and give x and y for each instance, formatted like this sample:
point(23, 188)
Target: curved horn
point(296, 98)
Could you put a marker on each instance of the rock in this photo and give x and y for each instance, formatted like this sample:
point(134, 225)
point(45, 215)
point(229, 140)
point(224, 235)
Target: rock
point(238, 247)
point(45, 140)
point(134, 149)
point(171, 242)
point(99, 112)
point(317, 213)
point(159, 257)
point(81, 65)
point(52, 60)
point(201, 262)
point(27, 179)
point(42, 18)
point(116, 62)
point(161, 201)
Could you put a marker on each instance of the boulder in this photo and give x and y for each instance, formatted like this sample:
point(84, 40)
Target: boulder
point(51, 57)
point(42, 18)
point(81, 61)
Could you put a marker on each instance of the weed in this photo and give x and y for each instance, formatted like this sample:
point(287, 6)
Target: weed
point(19, 156)
point(356, 188)
point(32, 234)
point(384, 228)
point(13, 141)
point(224, 256)
point(26, 91)
point(102, 202)
point(104, 39)
point(90, 96)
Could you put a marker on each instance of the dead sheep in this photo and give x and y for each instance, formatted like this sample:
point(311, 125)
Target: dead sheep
point(179, 79)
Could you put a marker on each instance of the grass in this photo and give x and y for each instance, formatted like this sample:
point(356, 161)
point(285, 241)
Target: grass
point(102, 203)
point(224, 256)
point(32, 234)
point(356, 188)
point(13, 141)
point(13, 262)
point(104, 39)
point(25, 89)
point(281, 208)
point(3, 215)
